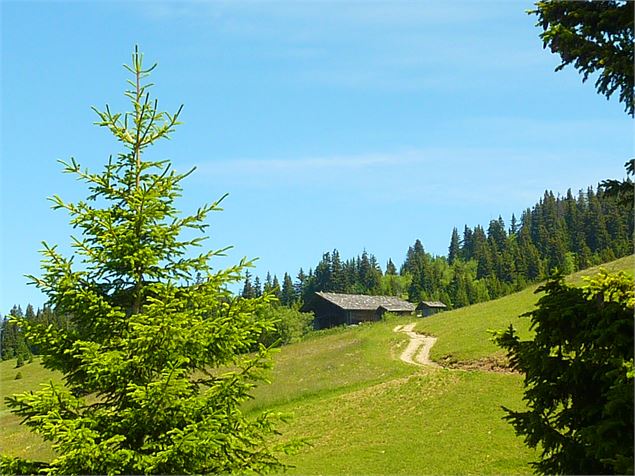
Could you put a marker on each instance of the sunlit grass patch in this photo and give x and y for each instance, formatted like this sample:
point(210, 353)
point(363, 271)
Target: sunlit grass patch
point(464, 334)
point(432, 422)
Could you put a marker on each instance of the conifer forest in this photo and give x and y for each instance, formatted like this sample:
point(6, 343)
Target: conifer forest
point(566, 233)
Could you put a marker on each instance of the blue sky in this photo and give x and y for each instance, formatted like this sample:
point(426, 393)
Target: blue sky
point(351, 125)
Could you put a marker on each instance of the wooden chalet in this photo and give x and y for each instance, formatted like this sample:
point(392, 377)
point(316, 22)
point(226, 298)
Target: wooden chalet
point(428, 308)
point(334, 309)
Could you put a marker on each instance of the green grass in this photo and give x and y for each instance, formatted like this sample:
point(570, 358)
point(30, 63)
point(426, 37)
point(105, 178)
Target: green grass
point(464, 334)
point(625, 264)
point(16, 440)
point(337, 361)
point(432, 422)
point(366, 412)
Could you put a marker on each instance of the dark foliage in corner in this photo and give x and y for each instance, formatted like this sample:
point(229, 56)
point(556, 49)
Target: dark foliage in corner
point(578, 377)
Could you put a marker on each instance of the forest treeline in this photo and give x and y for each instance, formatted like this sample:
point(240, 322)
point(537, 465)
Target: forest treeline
point(13, 344)
point(568, 233)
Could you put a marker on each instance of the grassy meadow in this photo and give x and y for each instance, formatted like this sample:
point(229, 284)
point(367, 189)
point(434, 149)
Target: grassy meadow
point(16, 440)
point(464, 335)
point(363, 411)
point(431, 422)
point(403, 420)
point(333, 362)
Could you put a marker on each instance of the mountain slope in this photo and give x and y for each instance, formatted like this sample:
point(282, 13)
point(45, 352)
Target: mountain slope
point(364, 411)
point(409, 420)
point(464, 335)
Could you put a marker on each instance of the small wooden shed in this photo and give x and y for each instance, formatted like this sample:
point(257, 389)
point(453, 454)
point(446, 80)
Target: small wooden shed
point(428, 308)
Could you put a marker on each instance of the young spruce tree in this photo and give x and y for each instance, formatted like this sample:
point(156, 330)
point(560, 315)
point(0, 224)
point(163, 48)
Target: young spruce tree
point(155, 362)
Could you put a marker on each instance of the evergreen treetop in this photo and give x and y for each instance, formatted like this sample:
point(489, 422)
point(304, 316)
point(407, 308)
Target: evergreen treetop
point(155, 369)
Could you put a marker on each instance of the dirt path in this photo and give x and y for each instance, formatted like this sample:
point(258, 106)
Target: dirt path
point(418, 350)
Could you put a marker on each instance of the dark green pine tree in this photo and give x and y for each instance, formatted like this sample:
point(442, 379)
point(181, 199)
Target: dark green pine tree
point(551, 216)
point(29, 313)
point(454, 251)
point(467, 251)
point(275, 287)
point(557, 256)
point(497, 235)
point(414, 256)
point(578, 372)
point(373, 280)
point(308, 287)
point(415, 289)
point(482, 253)
point(300, 283)
point(14, 344)
point(155, 365)
point(16, 311)
point(539, 233)
point(391, 269)
point(416, 265)
point(596, 232)
point(529, 252)
point(257, 287)
point(369, 274)
point(351, 276)
point(8, 339)
point(338, 279)
point(572, 221)
point(616, 221)
point(46, 316)
point(287, 294)
point(497, 242)
point(458, 288)
point(268, 286)
point(23, 350)
point(439, 278)
point(584, 257)
point(507, 265)
point(622, 190)
point(248, 291)
point(597, 39)
point(513, 228)
point(323, 274)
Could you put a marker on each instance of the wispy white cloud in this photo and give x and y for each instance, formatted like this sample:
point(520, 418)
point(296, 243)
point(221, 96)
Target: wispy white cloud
point(308, 165)
point(441, 175)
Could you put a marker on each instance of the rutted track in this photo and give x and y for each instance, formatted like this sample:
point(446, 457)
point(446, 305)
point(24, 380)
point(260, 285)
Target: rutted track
point(418, 350)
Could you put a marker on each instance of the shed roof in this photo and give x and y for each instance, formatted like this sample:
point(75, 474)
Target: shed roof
point(360, 302)
point(432, 304)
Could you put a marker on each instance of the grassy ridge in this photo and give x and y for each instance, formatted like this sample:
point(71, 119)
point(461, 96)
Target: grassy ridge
point(332, 362)
point(464, 334)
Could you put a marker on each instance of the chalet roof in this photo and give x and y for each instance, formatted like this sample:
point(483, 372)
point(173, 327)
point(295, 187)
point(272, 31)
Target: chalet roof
point(432, 304)
point(360, 302)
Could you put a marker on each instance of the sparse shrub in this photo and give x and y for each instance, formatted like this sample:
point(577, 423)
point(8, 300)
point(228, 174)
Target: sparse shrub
point(18, 376)
point(290, 325)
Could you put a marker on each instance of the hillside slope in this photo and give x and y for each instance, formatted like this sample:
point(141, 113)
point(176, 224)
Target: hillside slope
point(425, 422)
point(364, 411)
point(464, 335)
